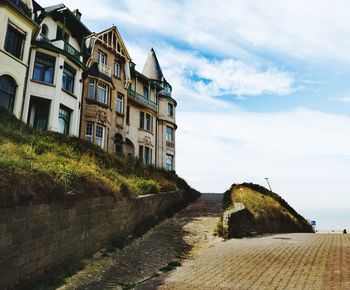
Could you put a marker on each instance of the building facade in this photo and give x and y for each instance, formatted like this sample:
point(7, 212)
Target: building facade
point(56, 75)
point(105, 88)
point(17, 27)
point(54, 85)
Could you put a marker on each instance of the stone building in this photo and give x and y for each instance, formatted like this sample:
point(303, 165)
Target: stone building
point(54, 86)
point(17, 27)
point(56, 75)
point(105, 88)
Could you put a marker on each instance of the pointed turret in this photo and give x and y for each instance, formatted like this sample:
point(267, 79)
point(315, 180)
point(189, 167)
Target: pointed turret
point(152, 68)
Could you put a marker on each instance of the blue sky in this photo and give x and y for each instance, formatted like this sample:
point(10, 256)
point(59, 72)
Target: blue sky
point(263, 88)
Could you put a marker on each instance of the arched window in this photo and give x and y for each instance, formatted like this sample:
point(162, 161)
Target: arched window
point(7, 92)
point(45, 30)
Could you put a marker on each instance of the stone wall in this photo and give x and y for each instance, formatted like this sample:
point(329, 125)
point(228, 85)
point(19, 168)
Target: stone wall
point(34, 239)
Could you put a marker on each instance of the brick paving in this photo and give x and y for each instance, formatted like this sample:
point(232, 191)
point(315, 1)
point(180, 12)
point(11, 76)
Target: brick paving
point(185, 235)
point(288, 261)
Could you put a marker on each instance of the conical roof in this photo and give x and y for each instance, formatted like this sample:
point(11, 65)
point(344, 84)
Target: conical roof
point(152, 68)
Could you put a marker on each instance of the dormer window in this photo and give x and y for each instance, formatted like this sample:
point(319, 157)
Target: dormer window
point(62, 35)
point(44, 31)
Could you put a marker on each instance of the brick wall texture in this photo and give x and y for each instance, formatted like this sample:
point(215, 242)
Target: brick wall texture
point(37, 238)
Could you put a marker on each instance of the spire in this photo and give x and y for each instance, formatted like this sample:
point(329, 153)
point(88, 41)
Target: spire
point(152, 68)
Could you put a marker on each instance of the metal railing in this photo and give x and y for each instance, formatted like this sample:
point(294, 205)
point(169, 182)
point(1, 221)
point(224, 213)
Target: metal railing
point(170, 144)
point(142, 100)
point(107, 70)
point(71, 50)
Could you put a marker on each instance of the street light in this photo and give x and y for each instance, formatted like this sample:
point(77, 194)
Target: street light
point(268, 183)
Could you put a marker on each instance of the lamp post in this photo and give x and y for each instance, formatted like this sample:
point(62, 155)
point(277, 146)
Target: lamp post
point(268, 183)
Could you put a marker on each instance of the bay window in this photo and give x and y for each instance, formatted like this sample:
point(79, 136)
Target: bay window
point(102, 93)
point(68, 78)
point(44, 68)
point(169, 162)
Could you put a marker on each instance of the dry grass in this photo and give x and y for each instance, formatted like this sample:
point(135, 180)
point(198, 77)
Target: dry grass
point(37, 167)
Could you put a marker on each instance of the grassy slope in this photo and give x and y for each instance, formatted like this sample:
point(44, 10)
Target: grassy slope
point(39, 167)
point(270, 213)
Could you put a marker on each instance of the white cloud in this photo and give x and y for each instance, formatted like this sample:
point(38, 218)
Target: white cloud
point(304, 153)
point(340, 99)
point(197, 78)
point(307, 29)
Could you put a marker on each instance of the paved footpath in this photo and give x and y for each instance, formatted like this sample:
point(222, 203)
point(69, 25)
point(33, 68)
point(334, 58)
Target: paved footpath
point(182, 237)
point(288, 261)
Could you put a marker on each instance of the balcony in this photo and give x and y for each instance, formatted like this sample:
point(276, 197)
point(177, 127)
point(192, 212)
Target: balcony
point(142, 100)
point(170, 144)
point(71, 50)
point(66, 47)
point(105, 69)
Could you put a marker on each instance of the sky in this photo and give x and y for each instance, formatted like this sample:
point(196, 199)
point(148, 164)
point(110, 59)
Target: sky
point(263, 89)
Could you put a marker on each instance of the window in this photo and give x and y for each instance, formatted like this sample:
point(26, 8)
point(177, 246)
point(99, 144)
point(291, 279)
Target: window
point(169, 134)
point(141, 153)
point(102, 57)
point(61, 34)
point(117, 70)
point(145, 92)
point(170, 110)
point(149, 122)
point(142, 120)
point(7, 92)
point(44, 31)
point(89, 134)
point(64, 120)
point(92, 88)
point(169, 162)
point(100, 136)
point(102, 93)
point(146, 121)
point(14, 41)
point(128, 115)
point(148, 155)
point(145, 154)
point(120, 104)
point(44, 68)
point(68, 78)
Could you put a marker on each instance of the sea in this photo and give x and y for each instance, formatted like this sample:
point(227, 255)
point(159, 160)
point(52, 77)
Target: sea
point(328, 220)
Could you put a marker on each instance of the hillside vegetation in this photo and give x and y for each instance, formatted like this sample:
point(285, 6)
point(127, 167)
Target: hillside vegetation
point(265, 212)
point(40, 167)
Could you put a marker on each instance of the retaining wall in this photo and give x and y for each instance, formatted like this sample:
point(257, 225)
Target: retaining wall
point(36, 238)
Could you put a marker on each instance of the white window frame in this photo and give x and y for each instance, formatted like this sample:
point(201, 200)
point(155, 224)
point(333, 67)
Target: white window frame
point(102, 57)
point(117, 70)
point(102, 87)
point(89, 137)
point(119, 106)
point(100, 140)
point(169, 165)
point(92, 83)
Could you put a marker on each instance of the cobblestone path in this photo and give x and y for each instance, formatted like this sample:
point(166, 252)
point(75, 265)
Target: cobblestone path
point(289, 261)
point(185, 235)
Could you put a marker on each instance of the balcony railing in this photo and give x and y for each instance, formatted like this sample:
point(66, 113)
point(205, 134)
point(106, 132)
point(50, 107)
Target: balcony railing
point(142, 100)
point(71, 50)
point(105, 69)
point(170, 144)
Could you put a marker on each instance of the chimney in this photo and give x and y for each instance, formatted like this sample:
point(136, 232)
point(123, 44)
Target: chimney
point(77, 14)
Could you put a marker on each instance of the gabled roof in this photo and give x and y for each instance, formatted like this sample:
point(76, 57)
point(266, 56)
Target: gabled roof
point(113, 40)
point(61, 13)
point(152, 68)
